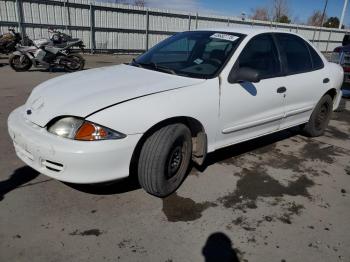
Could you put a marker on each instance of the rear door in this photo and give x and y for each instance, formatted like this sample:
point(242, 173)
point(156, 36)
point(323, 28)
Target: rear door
point(305, 78)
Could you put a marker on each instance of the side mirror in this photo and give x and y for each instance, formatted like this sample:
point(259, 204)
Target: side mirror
point(244, 74)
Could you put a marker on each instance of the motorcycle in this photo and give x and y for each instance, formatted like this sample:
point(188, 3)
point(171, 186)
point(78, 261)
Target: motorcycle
point(58, 37)
point(10, 40)
point(47, 53)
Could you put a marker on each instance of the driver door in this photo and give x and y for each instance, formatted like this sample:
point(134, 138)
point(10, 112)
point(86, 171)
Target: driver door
point(247, 109)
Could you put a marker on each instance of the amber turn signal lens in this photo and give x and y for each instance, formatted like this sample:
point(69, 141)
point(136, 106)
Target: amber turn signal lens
point(89, 132)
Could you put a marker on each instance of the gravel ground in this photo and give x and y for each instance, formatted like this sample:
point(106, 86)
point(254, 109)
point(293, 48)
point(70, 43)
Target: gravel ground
point(283, 197)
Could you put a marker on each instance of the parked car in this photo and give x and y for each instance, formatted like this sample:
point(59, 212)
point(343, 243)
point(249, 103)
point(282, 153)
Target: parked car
point(346, 40)
point(191, 94)
point(341, 55)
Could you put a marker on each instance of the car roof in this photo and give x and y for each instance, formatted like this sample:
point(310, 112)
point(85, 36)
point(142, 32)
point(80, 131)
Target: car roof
point(249, 31)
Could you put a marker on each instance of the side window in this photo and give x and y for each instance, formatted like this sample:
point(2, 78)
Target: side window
point(217, 50)
point(316, 59)
point(296, 52)
point(261, 54)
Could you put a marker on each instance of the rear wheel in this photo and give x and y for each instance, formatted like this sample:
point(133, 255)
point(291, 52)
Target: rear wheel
point(73, 62)
point(20, 63)
point(320, 117)
point(164, 159)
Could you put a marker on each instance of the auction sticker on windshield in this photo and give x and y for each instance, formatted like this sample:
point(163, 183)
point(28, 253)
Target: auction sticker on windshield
point(224, 37)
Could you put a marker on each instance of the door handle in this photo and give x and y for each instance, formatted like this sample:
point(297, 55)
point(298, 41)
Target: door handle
point(326, 80)
point(281, 90)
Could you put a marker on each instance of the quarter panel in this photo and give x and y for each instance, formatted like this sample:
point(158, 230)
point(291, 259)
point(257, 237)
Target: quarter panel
point(336, 82)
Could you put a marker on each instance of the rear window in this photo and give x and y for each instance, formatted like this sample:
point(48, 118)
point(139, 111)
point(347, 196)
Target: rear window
point(296, 52)
point(316, 59)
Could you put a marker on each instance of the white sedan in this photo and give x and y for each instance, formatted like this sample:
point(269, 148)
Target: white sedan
point(191, 94)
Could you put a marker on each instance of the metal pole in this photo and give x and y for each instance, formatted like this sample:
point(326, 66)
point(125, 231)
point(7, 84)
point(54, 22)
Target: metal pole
point(147, 29)
point(323, 16)
point(65, 4)
point(92, 29)
point(313, 37)
point(329, 38)
point(324, 13)
point(319, 37)
point(343, 14)
point(189, 22)
point(19, 7)
point(196, 20)
point(228, 22)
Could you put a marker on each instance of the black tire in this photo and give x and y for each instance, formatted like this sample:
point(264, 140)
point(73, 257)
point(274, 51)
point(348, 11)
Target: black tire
point(319, 118)
point(342, 106)
point(79, 63)
point(164, 160)
point(20, 66)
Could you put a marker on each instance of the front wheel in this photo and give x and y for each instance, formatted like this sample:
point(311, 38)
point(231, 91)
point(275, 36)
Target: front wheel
point(164, 159)
point(20, 63)
point(320, 117)
point(73, 62)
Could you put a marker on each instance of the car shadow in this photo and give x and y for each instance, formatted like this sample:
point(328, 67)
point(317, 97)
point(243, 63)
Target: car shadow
point(219, 247)
point(246, 147)
point(19, 177)
point(111, 188)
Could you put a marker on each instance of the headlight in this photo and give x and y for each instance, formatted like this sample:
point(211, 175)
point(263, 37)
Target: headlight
point(79, 129)
point(66, 127)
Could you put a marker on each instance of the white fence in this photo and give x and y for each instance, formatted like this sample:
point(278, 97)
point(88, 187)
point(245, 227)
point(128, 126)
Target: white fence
point(121, 28)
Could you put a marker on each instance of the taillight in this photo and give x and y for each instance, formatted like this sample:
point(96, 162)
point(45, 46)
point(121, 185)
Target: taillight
point(337, 49)
point(346, 69)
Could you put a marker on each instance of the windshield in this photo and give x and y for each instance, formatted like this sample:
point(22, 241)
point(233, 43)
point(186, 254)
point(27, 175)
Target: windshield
point(199, 54)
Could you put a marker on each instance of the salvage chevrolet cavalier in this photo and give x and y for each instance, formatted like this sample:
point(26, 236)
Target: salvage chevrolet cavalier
point(191, 94)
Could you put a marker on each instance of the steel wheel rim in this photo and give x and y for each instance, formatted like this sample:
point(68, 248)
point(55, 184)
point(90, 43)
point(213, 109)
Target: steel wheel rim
point(175, 161)
point(322, 117)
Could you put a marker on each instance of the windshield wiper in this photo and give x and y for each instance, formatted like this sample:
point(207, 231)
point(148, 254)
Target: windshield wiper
point(155, 66)
point(134, 63)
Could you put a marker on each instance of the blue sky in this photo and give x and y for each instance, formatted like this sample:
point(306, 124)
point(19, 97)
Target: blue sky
point(300, 9)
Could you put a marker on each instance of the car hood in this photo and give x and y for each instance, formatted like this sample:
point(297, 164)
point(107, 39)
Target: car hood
point(83, 93)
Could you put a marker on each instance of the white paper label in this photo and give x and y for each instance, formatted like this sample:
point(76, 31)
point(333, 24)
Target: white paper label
point(227, 37)
point(198, 61)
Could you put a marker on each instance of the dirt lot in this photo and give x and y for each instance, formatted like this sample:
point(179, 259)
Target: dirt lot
point(282, 197)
